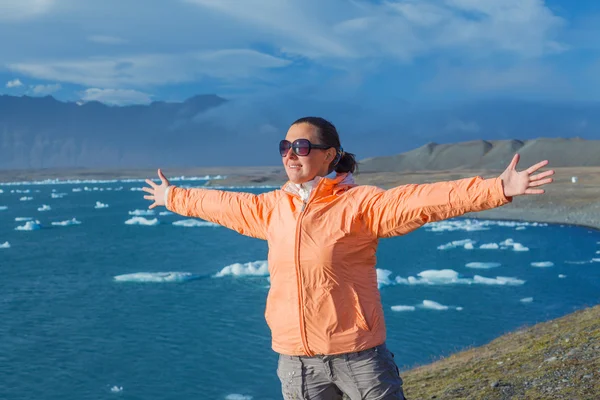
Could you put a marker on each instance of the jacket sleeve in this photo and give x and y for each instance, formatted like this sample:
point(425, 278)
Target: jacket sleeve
point(403, 209)
point(245, 213)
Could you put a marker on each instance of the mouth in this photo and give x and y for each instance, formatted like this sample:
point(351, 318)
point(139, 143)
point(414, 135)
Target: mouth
point(294, 166)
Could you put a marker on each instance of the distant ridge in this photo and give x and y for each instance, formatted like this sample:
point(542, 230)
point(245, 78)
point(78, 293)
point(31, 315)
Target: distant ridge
point(493, 155)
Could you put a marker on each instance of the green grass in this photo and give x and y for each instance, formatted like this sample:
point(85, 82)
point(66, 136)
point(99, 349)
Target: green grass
point(559, 359)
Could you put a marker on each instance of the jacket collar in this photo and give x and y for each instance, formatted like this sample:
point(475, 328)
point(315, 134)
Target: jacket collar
point(333, 183)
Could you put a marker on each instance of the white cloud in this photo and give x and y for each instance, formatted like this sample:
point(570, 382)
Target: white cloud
point(116, 96)
point(14, 83)
point(23, 9)
point(45, 89)
point(401, 29)
point(153, 69)
point(103, 39)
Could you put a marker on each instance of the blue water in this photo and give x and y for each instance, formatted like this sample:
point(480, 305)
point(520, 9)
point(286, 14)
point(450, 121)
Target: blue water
point(69, 330)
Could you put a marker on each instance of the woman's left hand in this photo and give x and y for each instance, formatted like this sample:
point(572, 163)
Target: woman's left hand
point(518, 183)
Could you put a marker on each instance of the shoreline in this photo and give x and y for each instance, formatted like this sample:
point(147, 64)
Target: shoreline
point(564, 203)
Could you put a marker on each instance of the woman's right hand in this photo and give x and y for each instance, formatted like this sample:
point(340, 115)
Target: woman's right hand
point(157, 192)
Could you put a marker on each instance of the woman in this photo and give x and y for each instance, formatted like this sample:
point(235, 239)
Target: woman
point(323, 307)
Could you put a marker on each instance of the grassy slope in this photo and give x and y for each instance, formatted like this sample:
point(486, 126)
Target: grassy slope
point(559, 359)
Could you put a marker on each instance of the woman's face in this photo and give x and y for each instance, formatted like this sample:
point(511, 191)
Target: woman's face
point(302, 169)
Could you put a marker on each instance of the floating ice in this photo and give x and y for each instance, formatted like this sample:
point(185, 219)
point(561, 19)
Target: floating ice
point(450, 277)
point(141, 221)
point(456, 225)
point(383, 277)
point(172, 276)
point(489, 246)
point(526, 300)
point(542, 264)
point(515, 246)
point(68, 222)
point(19, 219)
point(194, 223)
point(44, 207)
point(100, 205)
point(101, 181)
point(457, 243)
point(235, 396)
point(116, 389)
point(432, 305)
point(5, 245)
point(252, 268)
point(57, 195)
point(1, 191)
point(29, 226)
point(562, 276)
point(76, 189)
point(471, 225)
point(2, 208)
point(520, 228)
point(403, 308)
point(482, 265)
point(141, 213)
point(163, 213)
point(499, 280)
point(25, 198)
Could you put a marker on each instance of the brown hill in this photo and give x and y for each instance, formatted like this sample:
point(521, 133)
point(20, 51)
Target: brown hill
point(489, 155)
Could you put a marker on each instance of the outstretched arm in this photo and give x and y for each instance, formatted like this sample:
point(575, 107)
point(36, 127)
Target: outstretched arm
point(405, 208)
point(245, 213)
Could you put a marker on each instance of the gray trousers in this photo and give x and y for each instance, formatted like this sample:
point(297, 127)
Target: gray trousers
point(365, 375)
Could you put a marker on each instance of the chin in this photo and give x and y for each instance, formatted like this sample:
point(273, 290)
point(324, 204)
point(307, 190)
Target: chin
point(296, 177)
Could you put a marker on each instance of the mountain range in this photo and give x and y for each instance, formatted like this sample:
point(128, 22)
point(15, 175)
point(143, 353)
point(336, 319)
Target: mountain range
point(208, 130)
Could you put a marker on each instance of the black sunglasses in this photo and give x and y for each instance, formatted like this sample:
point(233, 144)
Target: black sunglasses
point(301, 147)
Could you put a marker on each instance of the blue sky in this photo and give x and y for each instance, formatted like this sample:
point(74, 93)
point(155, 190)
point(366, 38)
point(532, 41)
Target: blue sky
point(137, 51)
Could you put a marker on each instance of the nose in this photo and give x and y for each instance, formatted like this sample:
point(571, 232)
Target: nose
point(290, 155)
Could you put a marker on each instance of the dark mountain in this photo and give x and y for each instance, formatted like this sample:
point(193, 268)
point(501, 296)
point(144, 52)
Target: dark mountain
point(207, 130)
point(42, 132)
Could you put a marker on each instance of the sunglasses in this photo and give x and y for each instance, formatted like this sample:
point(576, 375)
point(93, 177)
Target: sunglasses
point(301, 147)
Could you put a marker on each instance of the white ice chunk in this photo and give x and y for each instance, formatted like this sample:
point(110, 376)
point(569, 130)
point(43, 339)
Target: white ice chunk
point(526, 300)
point(68, 222)
point(455, 244)
point(432, 305)
point(383, 277)
point(194, 223)
point(142, 221)
point(141, 213)
point(489, 246)
point(542, 264)
point(29, 226)
point(403, 308)
point(172, 276)
point(482, 265)
point(252, 268)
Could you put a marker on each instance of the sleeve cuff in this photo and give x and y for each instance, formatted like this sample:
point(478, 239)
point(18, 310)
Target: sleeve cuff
point(166, 198)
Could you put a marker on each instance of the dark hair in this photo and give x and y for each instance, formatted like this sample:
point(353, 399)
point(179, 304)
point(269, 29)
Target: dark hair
point(328, 135)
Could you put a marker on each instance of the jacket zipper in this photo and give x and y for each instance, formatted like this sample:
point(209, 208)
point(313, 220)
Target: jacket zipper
point(299, 273)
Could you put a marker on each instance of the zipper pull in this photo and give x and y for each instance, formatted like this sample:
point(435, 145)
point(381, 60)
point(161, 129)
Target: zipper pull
point(303, 206)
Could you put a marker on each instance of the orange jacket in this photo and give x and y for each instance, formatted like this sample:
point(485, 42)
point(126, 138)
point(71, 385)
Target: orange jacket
point(323, 297)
